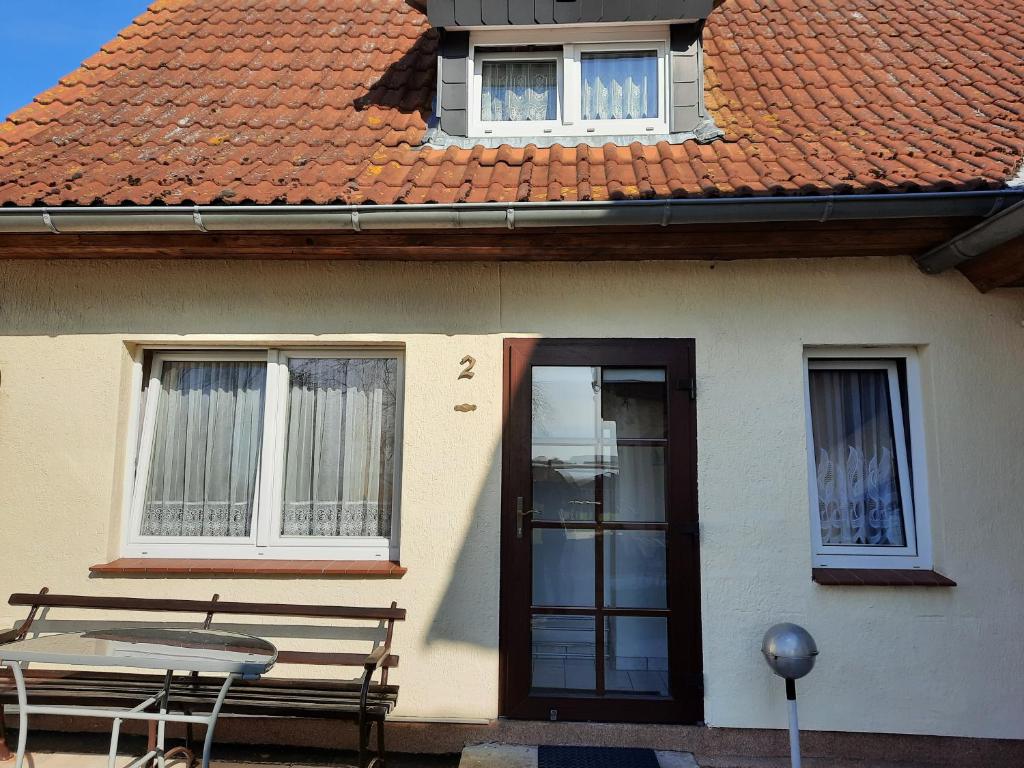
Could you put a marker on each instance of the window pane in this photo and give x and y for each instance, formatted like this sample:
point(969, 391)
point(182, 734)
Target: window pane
point(564, 653)
point(634, 485)
point(563, 567)
point(855, 459)
point(635, 575)
point(206, 448)
point(519, 90)
point(619, 86)
point(636, 655)
point(340, 450)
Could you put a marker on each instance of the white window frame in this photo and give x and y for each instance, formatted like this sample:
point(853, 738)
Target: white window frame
point(515, 127)
point(574, 42)
point(911, 463)
point(264, 540)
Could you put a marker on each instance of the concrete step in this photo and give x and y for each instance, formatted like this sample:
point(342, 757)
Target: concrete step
point(514, 756)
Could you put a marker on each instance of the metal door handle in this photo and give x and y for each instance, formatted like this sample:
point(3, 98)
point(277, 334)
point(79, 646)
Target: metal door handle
point(520, 516)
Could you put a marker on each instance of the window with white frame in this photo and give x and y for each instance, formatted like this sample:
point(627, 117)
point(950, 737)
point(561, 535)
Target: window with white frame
point(602, 82)
point(866, 460)
point(282, 453)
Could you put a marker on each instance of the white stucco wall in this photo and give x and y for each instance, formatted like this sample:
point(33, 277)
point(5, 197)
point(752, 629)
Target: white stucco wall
point(940, 661)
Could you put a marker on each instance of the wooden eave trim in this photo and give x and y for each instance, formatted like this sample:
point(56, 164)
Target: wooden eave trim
point(156, 566)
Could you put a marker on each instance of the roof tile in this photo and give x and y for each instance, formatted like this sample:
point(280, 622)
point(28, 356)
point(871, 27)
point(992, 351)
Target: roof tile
point(327, 101)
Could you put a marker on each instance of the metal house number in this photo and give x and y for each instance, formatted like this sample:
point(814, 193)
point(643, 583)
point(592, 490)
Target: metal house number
point(466, 373)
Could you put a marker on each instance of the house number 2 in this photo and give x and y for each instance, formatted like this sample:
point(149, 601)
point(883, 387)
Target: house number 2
point(466, 373)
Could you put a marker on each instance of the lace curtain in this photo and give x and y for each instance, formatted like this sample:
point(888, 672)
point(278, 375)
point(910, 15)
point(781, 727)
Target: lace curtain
point(858, 480)
point(339, 461)
point(619, 85)
point(518, 90)
point(206, 448)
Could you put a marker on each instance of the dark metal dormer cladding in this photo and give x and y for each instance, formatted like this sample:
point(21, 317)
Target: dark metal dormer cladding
point(455, 14)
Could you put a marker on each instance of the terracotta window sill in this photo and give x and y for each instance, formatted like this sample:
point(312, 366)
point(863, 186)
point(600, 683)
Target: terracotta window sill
point(878, 577)
point(146, 566)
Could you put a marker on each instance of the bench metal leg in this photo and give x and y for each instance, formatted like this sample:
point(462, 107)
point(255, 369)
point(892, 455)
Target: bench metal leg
point(19, 682)
point(5, 751)
point(211, 724)
point(380, 744)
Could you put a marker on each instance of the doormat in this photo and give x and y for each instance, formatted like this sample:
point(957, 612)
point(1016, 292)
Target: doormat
point(595, 757)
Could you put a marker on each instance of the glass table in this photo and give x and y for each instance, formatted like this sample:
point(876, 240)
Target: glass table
point(234, 655)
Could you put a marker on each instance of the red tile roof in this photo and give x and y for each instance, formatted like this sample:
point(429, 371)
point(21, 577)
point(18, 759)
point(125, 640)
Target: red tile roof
point(325, 101)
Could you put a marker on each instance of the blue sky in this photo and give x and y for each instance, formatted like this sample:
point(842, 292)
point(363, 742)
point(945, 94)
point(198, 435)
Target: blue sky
point(43, 40)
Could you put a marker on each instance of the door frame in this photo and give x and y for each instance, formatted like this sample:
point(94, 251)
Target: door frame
point(683, 556)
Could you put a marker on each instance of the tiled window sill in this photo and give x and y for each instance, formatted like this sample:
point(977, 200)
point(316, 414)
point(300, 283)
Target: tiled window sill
point(146, 566)
point(878, 577)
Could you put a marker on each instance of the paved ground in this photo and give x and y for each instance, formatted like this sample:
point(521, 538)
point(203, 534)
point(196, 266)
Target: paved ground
point(54, 750)
point(58, 750)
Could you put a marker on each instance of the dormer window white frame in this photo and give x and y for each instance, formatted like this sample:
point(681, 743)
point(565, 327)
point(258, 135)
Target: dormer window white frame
point(575, 43)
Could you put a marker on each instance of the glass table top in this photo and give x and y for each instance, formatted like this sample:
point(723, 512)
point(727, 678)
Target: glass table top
point(186, 650)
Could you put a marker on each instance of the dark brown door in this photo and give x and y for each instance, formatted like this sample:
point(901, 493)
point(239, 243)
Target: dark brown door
point(600, 602)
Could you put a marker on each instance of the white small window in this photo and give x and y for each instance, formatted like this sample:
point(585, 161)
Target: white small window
point(569, 82)
point(865, 463)
point(517, 91)
point(272, 453)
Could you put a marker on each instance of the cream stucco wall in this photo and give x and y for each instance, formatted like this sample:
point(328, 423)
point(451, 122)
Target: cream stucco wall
point(943, 661)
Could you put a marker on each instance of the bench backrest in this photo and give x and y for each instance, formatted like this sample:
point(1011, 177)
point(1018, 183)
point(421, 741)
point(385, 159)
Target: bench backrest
point(209, 608)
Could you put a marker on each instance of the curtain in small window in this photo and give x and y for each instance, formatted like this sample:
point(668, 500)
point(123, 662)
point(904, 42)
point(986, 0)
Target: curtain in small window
point(340, 454)
point(619, 86)
point(858, 478)
point(206, 449)
point(519, 90)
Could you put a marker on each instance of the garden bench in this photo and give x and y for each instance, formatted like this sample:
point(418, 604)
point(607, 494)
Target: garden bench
point(364, 701)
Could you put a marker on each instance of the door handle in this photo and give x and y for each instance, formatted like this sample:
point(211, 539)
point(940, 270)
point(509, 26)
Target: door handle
point(520, 516)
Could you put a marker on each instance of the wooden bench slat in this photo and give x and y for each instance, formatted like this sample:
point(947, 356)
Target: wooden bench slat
point(84, 679)
point(330, 659)
point(205, 606)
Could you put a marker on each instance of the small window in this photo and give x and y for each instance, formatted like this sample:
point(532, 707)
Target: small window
point(865, 507)
point(519, 90)
point(270, 453)
point(575, 86)
point(617, 85)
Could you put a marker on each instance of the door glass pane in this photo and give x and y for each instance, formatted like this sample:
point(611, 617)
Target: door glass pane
point(565, 482)
point(564, 653)
point(636, 655)
point(566, 400)
point(634, 484)
point(633, 403)
point(563, 567)
point(634, 569)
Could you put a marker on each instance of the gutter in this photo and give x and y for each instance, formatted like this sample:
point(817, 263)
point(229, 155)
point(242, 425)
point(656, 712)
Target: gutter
point(359, 218)
point(997, 230)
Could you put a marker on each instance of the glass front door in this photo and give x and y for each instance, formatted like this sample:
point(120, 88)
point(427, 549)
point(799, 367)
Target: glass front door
point(600, 591)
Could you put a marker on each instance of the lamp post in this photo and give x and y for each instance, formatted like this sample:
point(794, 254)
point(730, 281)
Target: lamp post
point(790, 652)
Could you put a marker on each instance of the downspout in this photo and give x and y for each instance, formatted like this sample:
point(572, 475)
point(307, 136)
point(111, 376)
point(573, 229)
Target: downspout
point(363, 218)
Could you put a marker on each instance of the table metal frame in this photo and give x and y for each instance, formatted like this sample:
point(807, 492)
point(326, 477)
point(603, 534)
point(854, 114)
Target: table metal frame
point(162, 716)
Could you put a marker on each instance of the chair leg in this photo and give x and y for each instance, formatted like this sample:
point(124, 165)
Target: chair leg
point(5, 751)
point(364, 738)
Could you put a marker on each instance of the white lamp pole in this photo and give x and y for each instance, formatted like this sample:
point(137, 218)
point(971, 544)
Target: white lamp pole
point(790, 652)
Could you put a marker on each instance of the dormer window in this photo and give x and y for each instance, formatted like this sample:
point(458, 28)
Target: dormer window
point(569, 72)
point(587, 85)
